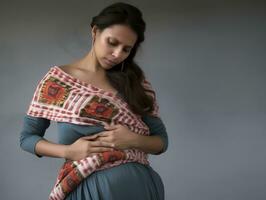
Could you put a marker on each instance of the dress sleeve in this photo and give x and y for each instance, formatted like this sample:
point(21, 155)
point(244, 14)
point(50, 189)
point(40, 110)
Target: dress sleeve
point(32, 132)
point(157, 128)
point(34, 127)
point(153, 120)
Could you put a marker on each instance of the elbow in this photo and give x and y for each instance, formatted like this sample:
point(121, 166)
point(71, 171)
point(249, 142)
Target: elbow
point(27, 143)
point(22, 143)
point(164, 146)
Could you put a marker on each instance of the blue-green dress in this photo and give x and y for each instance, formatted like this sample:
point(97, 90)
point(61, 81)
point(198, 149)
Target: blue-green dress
point(130, 181)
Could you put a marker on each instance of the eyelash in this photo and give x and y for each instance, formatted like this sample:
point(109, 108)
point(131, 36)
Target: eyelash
point(113, 44)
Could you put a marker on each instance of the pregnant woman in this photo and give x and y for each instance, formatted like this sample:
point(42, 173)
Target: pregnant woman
point(107, 116)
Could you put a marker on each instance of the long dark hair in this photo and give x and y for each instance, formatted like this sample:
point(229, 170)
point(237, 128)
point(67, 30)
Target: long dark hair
point(129, 81)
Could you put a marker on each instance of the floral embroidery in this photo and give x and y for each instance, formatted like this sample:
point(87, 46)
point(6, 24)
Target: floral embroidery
point(54, 92)
point(100, 109)
point(58, 89)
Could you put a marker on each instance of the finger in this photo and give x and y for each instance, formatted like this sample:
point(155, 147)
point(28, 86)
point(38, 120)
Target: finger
point(104, 134)
point(105, 124)
point(90, 137)
point(101, 144)
point(106, 141)
point(94, 136)
point(114, 126)
point(109, 127)
point(100, 149)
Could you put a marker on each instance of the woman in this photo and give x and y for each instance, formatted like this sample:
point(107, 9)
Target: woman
point(107, 116)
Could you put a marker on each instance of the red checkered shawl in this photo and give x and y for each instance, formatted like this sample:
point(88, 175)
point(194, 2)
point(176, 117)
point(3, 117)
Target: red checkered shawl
point(63, 98)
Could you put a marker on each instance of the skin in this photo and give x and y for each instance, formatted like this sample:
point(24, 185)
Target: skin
point(113, 43)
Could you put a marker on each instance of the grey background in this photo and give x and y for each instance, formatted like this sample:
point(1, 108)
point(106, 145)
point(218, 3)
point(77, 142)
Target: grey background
point(206, 60)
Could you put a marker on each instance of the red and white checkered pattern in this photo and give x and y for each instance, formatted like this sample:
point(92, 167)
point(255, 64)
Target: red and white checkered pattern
point(80, 93)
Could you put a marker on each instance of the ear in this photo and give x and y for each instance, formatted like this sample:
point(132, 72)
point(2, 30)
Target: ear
point(94, 31)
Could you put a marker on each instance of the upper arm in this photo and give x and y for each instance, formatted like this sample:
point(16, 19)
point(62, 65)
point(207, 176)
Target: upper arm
point(32, 131)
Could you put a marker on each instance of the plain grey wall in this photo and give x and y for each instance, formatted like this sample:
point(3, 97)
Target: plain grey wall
point(206, 60)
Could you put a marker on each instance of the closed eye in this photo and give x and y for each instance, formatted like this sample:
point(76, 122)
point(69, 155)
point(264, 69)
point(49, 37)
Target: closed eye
point(112, 44)
point(115, 44)
point(127, 50)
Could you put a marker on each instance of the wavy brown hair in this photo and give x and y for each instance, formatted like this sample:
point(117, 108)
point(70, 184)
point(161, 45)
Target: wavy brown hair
point(129, 81)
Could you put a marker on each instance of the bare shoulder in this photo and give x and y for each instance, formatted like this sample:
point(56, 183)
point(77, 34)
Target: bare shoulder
point(71, 69)
point(68, 68)
point(77, 72)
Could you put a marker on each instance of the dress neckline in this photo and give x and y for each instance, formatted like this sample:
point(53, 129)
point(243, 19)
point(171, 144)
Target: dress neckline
point(86, 84)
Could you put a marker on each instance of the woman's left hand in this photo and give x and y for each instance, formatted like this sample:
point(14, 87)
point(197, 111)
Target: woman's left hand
point(118, 135)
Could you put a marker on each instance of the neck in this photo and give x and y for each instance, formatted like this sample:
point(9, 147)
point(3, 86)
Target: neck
point(90, 63)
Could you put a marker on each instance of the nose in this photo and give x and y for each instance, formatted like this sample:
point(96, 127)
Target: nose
point(117, 53)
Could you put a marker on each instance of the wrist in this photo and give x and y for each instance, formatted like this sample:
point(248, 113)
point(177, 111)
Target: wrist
point(135, 141)
point(66, 151)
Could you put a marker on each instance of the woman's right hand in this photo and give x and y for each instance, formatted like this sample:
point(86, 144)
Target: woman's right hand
point(86, 146)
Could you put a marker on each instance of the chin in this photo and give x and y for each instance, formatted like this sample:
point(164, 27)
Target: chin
point(106, 65)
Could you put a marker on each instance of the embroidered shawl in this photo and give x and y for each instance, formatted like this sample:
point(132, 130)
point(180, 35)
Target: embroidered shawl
point(61, 97)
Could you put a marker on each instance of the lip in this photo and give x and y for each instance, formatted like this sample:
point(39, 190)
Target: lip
point(109, 62)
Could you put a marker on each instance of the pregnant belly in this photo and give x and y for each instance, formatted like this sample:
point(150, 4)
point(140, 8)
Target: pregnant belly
point(126, 181)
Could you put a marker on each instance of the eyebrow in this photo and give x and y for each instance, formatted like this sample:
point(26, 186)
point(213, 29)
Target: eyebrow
point(127, 46)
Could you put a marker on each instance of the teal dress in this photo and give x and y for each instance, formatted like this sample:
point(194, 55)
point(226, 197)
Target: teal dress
point(131, 181)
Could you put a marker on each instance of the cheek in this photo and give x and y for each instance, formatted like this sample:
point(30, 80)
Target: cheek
point(107, 50)
point(125, 56)
point(102, 48)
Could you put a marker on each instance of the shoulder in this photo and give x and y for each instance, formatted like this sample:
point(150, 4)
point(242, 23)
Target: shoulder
point(74, 70)
point(67, 68)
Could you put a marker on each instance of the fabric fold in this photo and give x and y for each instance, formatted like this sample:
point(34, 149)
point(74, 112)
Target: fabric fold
point(63, 98)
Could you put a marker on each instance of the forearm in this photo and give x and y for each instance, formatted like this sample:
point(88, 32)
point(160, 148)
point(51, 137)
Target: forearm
point(46, 148)
point(148, 144)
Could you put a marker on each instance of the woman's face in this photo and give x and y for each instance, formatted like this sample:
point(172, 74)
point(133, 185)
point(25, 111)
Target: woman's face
point(113, 45)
